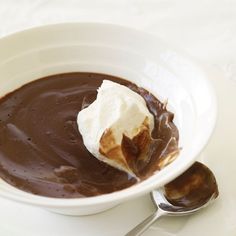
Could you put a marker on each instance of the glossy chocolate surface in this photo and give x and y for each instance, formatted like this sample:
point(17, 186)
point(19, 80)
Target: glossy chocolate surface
point(42, 151)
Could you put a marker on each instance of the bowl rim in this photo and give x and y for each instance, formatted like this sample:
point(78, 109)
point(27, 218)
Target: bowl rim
point(135, 190)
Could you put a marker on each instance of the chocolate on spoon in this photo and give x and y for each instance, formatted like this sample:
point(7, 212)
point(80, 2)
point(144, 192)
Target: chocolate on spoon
point(193, 188)
point(188, 193)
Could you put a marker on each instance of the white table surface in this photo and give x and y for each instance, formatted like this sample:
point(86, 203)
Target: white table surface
point(206, 30)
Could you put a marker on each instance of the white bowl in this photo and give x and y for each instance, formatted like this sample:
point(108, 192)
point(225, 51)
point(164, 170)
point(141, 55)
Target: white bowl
point(130, 54)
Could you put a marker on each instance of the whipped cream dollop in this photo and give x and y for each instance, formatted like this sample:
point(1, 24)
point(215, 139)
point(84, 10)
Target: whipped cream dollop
point(117, 118)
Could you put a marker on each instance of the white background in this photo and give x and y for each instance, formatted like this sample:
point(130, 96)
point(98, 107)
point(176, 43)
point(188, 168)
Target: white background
point(206, 30)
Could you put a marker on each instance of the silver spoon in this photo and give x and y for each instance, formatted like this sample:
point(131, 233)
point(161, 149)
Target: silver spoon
point(188, 193)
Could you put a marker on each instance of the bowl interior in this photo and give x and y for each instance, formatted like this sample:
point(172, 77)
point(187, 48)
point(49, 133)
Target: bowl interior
point(129, 54)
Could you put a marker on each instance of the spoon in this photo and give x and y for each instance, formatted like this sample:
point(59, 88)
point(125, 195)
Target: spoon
point(188, 193)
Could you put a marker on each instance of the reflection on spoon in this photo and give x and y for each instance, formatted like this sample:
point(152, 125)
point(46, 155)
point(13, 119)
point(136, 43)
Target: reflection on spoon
point(188, 193)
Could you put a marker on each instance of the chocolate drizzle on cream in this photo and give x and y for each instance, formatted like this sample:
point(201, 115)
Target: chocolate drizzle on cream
point(131, 151)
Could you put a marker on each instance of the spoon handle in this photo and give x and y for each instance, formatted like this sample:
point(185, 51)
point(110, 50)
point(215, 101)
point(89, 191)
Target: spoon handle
point(140, 228)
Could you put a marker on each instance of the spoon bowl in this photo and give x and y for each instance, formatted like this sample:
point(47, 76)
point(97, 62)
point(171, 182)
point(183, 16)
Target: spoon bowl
point(190, 192)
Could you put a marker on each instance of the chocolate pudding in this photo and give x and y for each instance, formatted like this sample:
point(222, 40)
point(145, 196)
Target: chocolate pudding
point(42, 151)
